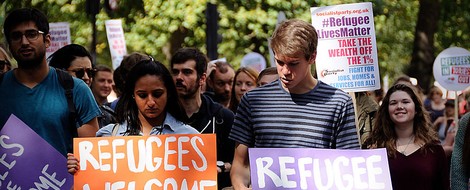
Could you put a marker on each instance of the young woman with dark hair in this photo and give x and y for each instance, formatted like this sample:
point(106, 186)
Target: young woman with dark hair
point(403, 127)
point(148, 106)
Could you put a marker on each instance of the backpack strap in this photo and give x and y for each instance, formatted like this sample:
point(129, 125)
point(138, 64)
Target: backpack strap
point(66, 81)
point(115, 129)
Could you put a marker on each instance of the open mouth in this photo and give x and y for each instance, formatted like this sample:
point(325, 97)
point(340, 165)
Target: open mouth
point(285, 79)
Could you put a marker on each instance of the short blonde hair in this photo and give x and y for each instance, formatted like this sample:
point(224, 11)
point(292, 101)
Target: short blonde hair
point(294, 36)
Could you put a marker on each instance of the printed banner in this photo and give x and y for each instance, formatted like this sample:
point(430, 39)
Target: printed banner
point(60, 36)
point(347, 49)
point(116, 41)
point(152, 162)
point(27, 161)
point(452, 68)
point(309, 168)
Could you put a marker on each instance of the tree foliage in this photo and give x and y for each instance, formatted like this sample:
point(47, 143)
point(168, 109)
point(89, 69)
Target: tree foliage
point(159, 27)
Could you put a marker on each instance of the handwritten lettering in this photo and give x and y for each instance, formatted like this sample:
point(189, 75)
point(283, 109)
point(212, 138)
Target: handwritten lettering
point(146, 159)
point(362, 175)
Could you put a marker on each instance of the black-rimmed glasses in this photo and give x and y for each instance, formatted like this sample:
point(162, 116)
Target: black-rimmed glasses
point(79, 73)
point(31, 35)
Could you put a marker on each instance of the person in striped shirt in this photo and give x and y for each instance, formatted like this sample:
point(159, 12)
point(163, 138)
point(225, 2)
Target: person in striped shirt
point(295, 111)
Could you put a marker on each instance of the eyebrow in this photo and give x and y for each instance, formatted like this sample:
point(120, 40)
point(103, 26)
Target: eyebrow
point(290, 62)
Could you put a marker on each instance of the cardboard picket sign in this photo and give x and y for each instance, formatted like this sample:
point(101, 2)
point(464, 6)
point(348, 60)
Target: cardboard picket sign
point(27, 161)
point(310, 168)
point(151, 162)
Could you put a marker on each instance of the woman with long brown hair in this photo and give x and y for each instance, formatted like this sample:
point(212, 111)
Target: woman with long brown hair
point(416, 158)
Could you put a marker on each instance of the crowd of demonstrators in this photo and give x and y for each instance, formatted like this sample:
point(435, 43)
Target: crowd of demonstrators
point(120, 74)
point(101, 87)
point(74, 59)
point(416, 158)
point(220, 82)
point(153, 101)
point(33, 89)
point(148, 106)
point(5, 61)
point(300, 96)
point(244, 81)
point(460, 162)
point(188, 67)
point(267, 76)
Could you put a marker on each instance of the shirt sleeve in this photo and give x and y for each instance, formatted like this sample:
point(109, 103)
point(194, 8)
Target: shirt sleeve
point(85, 103)
point(347, 133)
point(242, 129)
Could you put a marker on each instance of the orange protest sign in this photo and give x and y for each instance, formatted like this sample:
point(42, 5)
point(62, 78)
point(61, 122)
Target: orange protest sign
point(150, 162)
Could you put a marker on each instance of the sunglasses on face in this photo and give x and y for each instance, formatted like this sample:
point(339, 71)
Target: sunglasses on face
point(80, 73)
point(31, 35)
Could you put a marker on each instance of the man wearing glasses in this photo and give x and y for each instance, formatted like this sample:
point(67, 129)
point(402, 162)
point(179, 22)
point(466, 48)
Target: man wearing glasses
point(32, 92)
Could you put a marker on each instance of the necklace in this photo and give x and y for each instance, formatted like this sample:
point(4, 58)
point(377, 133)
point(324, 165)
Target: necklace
point(403, 152)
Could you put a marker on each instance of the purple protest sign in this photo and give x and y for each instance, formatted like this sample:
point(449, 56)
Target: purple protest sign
point(28, 162)
point(309, 168)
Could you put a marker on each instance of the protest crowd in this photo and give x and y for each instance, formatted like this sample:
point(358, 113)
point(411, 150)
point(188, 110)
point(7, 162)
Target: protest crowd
point(65, 96)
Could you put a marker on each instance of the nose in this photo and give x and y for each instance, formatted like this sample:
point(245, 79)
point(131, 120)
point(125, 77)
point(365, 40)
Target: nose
point(24, 40)
point(228, 87)
point(108, 84)
point(285, 70)
point(179, 75)
point(85, 76)
point(151, 101)
point(400, 106)
point(243, 87)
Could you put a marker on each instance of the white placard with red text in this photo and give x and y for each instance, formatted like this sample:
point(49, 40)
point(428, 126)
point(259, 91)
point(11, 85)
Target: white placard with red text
point(60, 36)
point(347, 49)
point(452, 68)
point(116, 41)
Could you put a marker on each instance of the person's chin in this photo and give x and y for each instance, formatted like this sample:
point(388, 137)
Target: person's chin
point(151, 114)
point(105, 95)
